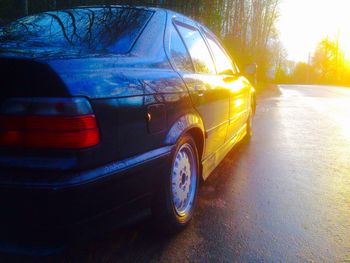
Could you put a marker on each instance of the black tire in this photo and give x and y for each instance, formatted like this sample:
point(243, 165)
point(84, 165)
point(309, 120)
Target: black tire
point(165, 211)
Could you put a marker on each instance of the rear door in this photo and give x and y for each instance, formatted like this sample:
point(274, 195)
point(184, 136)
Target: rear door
point(209, 96)
point(230, 81)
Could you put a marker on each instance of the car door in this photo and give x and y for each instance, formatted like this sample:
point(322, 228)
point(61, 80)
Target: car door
point(230, 80)
point(209, 97)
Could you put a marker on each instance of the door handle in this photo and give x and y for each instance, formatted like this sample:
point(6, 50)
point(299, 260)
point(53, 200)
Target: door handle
point(230, 78)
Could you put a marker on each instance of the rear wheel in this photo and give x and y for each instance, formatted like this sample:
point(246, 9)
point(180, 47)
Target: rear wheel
point(175, 202)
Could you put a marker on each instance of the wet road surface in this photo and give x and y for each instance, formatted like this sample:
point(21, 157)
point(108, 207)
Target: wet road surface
point(284, 197)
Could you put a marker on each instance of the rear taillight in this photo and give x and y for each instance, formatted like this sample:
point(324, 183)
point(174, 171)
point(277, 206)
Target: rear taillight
point(66, 123)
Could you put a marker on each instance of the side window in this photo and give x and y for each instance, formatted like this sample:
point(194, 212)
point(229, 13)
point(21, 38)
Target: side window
point(197, 48)
point(222, 61)
point(179, 53)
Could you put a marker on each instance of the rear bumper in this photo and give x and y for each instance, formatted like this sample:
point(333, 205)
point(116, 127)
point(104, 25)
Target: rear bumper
point(61, 209)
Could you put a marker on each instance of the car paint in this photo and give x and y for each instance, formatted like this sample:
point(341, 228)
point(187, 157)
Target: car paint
point(222, 102)
point(124, 90)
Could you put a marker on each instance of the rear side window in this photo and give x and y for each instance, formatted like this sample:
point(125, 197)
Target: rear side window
point(78, 31)
point(199, 52)
point(179, 53)
point(222, 61)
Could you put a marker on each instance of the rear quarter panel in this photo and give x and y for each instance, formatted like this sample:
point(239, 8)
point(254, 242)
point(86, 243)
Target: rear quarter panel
point(120, 89)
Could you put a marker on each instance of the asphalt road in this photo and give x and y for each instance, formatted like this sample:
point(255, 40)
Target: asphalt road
point(284, 197)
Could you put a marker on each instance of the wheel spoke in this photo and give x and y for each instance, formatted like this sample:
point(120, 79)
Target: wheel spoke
point(184, 179)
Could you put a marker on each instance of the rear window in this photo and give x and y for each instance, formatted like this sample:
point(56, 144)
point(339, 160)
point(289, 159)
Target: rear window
point(80, 31)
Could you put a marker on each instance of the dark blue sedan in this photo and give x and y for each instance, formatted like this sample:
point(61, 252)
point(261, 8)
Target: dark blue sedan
point(109, 112)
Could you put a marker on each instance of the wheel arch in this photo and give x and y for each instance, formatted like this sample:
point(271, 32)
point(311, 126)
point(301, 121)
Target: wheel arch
point(198, 137)
point(190, 124)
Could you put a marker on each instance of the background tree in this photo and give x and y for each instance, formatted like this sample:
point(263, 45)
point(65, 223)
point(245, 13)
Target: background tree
point(328, 65)
point(328, 61)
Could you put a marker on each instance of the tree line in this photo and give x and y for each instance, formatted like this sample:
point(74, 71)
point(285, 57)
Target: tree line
point(328, 64)
point(246, 27)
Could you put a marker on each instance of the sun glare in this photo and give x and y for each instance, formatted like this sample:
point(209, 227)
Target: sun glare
point(303, 24)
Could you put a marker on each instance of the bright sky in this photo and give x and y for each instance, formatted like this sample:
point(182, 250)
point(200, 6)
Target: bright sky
point(303, 23)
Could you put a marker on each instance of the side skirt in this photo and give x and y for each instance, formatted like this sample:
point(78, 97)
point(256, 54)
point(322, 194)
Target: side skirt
point(213, 160)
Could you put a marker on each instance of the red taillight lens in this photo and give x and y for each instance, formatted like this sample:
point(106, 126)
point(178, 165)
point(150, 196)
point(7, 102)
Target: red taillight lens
point(48, 123)
point(65, 132)
point(60, 123)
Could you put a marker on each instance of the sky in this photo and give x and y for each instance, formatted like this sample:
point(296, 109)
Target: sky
point(303, 23)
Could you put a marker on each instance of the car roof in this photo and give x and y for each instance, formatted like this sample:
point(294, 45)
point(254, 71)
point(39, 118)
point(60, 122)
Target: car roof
point(150, 8)
point(114, 6)
point(140, 7)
